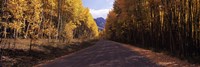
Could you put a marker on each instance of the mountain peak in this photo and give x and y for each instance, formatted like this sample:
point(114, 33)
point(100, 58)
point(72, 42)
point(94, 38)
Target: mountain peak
point(100, 18)
point(100, 21)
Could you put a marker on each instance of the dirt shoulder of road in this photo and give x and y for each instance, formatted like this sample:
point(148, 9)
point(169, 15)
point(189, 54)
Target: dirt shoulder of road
point(20, 57)
point(161, 58)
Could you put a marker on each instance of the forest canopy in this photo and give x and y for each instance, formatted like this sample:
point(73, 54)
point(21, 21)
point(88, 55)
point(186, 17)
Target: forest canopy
point(161, 25)
point(58, 19)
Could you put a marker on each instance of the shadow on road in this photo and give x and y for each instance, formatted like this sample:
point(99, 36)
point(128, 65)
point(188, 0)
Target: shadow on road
point(103, 54)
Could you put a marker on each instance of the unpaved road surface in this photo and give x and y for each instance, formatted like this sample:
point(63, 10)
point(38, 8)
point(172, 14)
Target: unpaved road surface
point(102, 54)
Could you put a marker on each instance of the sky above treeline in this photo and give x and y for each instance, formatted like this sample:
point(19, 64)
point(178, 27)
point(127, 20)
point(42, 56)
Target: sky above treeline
point(99, 8)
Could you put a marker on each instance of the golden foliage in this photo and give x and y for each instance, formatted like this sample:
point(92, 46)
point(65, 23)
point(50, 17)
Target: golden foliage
point(39, 18)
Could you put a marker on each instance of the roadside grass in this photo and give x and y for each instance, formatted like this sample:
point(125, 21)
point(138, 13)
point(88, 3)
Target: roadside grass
point(19, 55)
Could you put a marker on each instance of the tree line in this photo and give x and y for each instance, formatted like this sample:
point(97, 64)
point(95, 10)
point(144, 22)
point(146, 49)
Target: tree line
point(53, 19)
point(172, 26)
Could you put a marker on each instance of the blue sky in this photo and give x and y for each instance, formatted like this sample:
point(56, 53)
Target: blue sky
point(99, 8)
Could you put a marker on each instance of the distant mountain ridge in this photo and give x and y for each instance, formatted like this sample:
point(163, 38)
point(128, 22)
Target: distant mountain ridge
point(100, 23)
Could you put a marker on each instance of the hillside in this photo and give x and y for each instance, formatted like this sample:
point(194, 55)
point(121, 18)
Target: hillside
point(100, 23)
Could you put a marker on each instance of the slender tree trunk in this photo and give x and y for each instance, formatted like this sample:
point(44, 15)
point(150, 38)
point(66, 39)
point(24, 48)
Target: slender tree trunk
point(5, 32)
point(27, 29)
point(59, 19)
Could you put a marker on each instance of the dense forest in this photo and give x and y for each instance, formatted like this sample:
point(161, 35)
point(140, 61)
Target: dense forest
point(32, 31)
point(47, 19)
point(171, 26)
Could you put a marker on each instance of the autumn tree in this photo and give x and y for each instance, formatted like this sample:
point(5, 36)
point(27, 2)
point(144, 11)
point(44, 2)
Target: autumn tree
point(17, 10)
point(74, 12)
point(161, 25)
point(46, 19)
point(48, 25)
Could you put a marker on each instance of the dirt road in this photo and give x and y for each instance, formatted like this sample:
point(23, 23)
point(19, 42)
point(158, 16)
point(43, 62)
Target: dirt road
point(102, 54)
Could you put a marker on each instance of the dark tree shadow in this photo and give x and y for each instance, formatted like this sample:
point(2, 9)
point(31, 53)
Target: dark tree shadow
point(23, 58)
